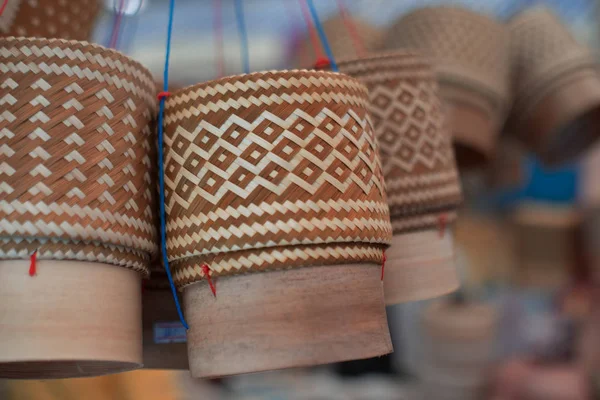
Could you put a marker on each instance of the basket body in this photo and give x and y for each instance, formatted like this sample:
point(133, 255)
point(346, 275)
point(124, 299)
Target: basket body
point(79, 150)
point(272, 170)
point(419, 170)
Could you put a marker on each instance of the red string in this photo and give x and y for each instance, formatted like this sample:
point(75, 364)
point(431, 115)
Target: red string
point(383, 260)
point(314, 36)
point(162, 95)
point(4, 4)
point(218, 27)
point(442, 222)
point(206, 271)
point(351, 28)
point(117, 25)
point(32, 265)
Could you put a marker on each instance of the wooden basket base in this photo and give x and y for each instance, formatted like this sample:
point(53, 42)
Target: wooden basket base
point(72, 319)
point(282, 319)
point(419, 266)
point(158, 307)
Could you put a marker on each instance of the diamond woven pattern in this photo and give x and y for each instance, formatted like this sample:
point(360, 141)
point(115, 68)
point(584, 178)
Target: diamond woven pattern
point(416, 151)
point(78, 151)
point(272, 170)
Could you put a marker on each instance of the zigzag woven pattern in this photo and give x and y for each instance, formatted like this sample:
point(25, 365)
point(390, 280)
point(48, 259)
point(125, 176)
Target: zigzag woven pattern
point(58, 249)
point(469, 49)
point(77, 146)
point(275, 258)
point(270, 159)
point(416, 151)
point(65, 19)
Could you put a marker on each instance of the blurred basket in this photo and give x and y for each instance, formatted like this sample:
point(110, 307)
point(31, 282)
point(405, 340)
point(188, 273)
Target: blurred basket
point(471, 55)
point(557, 87)
point(77, 150)
point(340, 40)
point(419, 170)
point(270, 171)
point(64, 19)
point(547, 244)
point(457, 350)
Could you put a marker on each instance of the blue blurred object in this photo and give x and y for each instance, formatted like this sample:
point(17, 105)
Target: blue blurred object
point(541, 184)
point(551, 185)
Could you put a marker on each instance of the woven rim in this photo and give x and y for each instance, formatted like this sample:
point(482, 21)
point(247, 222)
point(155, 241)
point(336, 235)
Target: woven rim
point(469, 49)
point(416, 151)
point(66, 19)
point(188, 270)
point(58, 249)
point(543, 54)
point(77, 127)
point(271, 159)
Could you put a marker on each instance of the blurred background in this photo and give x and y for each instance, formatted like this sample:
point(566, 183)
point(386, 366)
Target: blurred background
point(527, 241)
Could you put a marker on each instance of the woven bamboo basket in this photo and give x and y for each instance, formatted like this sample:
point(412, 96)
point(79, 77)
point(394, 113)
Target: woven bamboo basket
point(269, 172)
point(458, 349)
point(556, 87)
point(419, 169)
point(547, 238)
point(340, 41)
point(77, 149)
point(471, 54)
point(64, 19)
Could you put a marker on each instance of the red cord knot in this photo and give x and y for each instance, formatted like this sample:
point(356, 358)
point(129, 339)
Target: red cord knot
point(322, 63)
point(383, 260)
point(163, 95)
point(206, 271)
point(32, 264)
point(442, 222)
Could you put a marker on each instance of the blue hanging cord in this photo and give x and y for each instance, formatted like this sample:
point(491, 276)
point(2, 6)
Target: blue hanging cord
point(161, 177)
point(322, 36)
point(241, 23)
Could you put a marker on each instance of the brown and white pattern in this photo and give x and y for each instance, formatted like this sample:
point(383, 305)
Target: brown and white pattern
point(556, 87)
point(471, 57)
point(64, 19)
point(415, 145)
point(78, 149)
point(542, 49)
point(263, 170)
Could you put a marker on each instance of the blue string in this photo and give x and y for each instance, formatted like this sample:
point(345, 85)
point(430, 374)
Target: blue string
point(322, 36)
point(161, 177)
point(241, 22)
